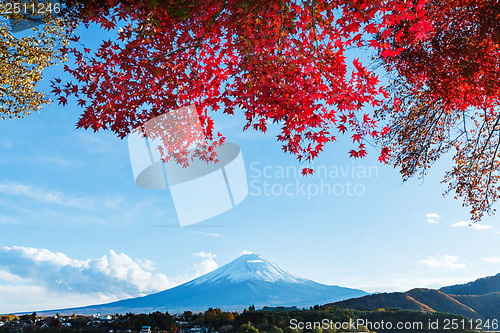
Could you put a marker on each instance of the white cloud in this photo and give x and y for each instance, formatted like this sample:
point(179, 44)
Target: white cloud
point(475, 226)
point(114, 274)
point(445, 261)
point(433, 217)
point(246, 252)
point(492, 260)
point(51, 197)
point(146, 264)
point(209, 234)
point(11, 278)
point(205, 255)
point(28, 298)
point(207, 265)
point(55, 206)
point(32, 278)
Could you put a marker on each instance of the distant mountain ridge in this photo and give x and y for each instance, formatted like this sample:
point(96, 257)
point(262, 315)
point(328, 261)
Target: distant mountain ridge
point(482, 286)
point(488, 306)
point(248, 280)
point(479, 299)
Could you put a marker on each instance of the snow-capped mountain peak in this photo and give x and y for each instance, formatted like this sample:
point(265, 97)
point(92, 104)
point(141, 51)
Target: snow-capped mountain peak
point(248, 280)
point(248, 267)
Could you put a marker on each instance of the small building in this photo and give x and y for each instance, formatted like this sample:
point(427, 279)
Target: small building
point(145, 329)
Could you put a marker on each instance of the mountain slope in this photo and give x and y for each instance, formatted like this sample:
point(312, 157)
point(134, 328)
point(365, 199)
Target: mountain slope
point(427, 300)
point(384, 300)
point(441, 302)
point(248, 280)
point(480, 286)
point(487, 305)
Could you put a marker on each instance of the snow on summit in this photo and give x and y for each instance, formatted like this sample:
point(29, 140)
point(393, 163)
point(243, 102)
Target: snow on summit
point(249, 267)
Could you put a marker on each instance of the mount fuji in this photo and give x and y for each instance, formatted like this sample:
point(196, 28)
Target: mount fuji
point(248, 280)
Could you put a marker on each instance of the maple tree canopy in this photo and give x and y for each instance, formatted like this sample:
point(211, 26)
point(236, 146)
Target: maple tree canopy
point(284, 62)
point(277, 61)
point(445, 95)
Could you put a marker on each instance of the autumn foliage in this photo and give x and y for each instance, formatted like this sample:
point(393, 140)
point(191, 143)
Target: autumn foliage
point(278, 62)
point(445, 97)
point(285, 62)
point(23, 59)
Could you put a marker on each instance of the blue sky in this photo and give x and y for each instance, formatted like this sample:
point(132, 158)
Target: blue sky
point(76, 230)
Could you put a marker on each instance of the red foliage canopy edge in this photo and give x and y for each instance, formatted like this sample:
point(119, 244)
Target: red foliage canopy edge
point(277, 61)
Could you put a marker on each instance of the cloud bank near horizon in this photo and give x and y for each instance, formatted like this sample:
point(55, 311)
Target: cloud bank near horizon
point(110, 277)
